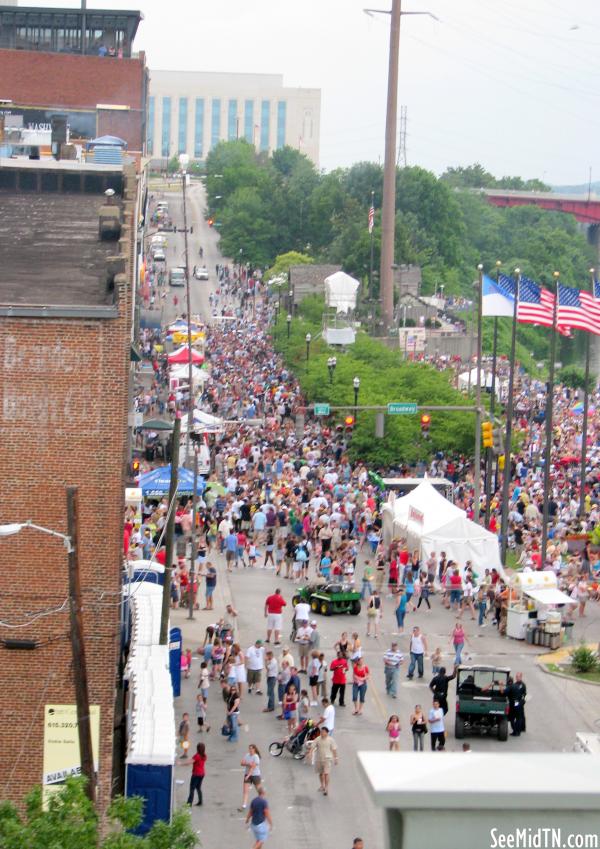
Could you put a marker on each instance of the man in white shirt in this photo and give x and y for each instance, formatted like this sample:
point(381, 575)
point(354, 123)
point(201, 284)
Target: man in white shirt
point(272, 671)
point(303, 638)
point(436, 727)
point(418, 647)
point(302, 613)
point(255, 662)
point(328, 717)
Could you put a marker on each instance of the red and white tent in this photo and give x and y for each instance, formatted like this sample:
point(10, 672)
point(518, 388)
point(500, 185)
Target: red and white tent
point(182, 355)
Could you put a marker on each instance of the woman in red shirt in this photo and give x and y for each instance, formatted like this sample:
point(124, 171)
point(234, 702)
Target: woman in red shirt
point(198, 772)
point(360, 677)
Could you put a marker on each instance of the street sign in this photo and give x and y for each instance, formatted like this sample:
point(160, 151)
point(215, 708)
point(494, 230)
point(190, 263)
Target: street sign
point(321, 409)
point(404, 408)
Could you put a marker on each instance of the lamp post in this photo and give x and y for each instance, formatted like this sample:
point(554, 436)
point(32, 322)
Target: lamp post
point(331, 364)
point(308, 338)
point(289, 324)
point(82, 699)
point(356, 385)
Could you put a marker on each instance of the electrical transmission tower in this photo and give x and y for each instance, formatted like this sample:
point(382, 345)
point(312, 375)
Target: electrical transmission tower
point(401, 160)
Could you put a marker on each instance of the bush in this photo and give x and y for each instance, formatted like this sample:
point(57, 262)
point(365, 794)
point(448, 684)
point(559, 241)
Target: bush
point(574, 378)
point(584, 659)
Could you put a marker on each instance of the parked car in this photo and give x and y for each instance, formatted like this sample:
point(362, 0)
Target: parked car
point(201, 272)
point(177, 277)
point(482, 701)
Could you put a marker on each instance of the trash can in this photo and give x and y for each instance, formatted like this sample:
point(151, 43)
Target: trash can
point(529, 636)
point(568, 632)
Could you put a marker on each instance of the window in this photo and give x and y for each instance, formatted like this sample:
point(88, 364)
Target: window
point(183, 124)
point(232, 126)
point(166, 127)
point(249, 121)
point(265, 124)
point(281, 113)
point(150, 127)
point(199, 129)
point(215, 123)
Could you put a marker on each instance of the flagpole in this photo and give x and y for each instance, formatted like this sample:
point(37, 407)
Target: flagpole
point(372, 249)
point(586, 402)
point(549, 415)
point(477, 463)
point(490, 454)
point(509, 418)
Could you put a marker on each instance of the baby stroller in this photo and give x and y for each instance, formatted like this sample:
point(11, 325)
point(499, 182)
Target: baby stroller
point(296, 742)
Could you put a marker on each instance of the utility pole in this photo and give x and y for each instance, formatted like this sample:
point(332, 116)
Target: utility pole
point(188, 307)
point(166, 598)
point(193, 545)
point(402, 159)
point(477, 470)
point(82, 697)
point(388, 207)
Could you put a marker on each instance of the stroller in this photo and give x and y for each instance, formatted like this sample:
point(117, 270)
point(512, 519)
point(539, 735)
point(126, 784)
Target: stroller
point(296, 742)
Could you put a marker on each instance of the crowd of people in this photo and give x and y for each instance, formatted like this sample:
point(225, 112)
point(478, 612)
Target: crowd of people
point(294, 504)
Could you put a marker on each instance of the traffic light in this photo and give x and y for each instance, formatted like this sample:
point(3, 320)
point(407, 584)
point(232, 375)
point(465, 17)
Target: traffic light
point(135, 466)
point(425, 422)
point(498, 440)
point(487, 436)
point(349, 422)
point(501, 462)
point(210, 222)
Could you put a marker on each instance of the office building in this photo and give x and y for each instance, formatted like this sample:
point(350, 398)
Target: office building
point(192, 111)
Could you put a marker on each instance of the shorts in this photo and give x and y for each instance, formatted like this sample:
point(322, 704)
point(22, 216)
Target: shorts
point(260, 831)
point(324, 768)
point(274, 621)
point(253, 677)
point(313, 680)
point(229, 556)
point(252, 779)
point(209, 591)
point(455, 596)
point(289, 714)
point(305, 649)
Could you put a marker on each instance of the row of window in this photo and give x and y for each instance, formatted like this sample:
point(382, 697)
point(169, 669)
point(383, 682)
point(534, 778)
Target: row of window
point(66, 38)
point(257, 134)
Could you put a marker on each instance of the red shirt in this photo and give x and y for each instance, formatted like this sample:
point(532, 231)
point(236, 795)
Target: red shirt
point(361, 673)
point(275, 603)
point(198, 764)
point(394, 571)
point(339, 667)
point(403, 557)
point(455, 581)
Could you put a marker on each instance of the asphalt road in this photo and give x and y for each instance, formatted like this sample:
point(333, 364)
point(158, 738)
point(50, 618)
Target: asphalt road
point(556, 708)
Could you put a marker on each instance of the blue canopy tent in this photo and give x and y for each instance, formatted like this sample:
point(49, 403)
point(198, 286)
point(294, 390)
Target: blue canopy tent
point(156, 483)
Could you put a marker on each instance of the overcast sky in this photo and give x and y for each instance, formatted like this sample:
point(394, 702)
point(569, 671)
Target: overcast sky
point(513, 84)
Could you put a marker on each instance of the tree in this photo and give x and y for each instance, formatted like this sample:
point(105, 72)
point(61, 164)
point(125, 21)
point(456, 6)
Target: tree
point(284, 261)
point(246, 227)
point(574, 378)
point(70, 822)
point(469, 177)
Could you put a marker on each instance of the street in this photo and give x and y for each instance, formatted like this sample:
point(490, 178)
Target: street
point(556, 708)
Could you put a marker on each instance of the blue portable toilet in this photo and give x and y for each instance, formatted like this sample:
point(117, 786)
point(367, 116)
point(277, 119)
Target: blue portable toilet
point(175, 660)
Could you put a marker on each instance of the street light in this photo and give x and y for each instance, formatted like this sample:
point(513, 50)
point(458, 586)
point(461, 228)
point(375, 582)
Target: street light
point(308, 338)
point(331, 364)
point(356, 385)
point(289, 324)
point(15, 527)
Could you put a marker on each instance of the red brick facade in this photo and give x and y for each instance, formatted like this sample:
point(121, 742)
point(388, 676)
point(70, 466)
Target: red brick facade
point(64, 405)
point(69, 81)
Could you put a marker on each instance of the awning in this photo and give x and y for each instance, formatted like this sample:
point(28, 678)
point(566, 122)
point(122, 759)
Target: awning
point(549, 595)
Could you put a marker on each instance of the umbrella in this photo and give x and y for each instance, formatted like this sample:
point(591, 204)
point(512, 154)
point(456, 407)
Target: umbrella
point(156, 483)
point(157, 424)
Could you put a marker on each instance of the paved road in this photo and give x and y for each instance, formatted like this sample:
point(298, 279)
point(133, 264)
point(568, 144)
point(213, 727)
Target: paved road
point(557, 708)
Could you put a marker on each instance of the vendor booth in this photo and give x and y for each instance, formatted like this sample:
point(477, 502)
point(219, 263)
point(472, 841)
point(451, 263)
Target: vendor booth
point(429, 522)
point(155, 484)
point(182, 355)
point(534, 609)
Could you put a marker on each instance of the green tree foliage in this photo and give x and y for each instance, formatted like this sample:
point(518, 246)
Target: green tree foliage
point(476, 177)
point(384, 377)
point(574, 377)
point(70, 822)
point(284, 261)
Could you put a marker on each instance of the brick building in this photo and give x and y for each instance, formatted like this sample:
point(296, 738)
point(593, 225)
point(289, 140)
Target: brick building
point(65, 336)
point(45, 73)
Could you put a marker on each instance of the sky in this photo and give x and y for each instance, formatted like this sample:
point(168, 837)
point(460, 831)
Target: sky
point(512, 84)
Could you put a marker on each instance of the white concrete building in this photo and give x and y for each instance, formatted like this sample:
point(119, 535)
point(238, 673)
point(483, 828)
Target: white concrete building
point(191, 111)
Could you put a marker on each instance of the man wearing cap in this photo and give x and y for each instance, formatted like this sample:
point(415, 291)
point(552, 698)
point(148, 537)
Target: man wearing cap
point(392, 660)
point(255, 662)
point(315, 637)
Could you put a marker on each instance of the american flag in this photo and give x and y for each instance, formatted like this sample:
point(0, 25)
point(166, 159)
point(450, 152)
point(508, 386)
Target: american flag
point(579, 310)
point(597, 289)
point(507, 285)
point(535, 305)
point(371, 218)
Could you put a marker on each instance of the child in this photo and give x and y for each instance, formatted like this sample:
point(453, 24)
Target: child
point(204, 682)
point(322, 681)
point(188, 664)
point(252, 553)
point(290, 704)
point(184, 734)
point(201, 713)
point(303, 707)
point(436, 661)
point(279, 555)
point(185, 664)
point(393, 730)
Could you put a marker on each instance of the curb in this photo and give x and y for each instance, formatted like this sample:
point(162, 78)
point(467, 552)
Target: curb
point(567, 677)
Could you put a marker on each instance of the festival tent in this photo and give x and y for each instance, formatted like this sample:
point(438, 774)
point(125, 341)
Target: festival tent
point(203, 423)
point(182, 355)
point(181, 372)
point(340, 291)
point(156, 483)
point(429, 522)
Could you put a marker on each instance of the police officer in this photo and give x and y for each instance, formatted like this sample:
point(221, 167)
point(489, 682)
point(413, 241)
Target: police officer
point(517, 695)
point(439, 687)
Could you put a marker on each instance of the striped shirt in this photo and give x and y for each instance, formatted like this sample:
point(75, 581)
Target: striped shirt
point(392, 658)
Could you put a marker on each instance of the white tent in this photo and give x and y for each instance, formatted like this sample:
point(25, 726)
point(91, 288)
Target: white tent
point(340, 291)
point(182, 372)
point(430, 522)
point(203, 423)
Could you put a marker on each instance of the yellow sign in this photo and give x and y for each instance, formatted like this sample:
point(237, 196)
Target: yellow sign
point(61, 745)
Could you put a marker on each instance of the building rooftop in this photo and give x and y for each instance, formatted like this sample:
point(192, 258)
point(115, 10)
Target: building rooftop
point(50, 253)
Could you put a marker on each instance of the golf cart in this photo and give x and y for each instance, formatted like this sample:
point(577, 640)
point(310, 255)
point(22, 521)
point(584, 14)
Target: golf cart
point(481, 701)
point(328, 598)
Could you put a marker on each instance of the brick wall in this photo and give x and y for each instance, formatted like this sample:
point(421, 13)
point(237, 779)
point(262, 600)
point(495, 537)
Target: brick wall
point(63, 409)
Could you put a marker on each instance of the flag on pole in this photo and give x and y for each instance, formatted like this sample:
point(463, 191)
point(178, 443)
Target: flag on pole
point(535, 305)
point(371, 218)
point(578, 310)
point(497, 296)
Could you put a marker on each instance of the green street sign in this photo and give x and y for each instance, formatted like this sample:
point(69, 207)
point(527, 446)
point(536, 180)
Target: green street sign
point(321, 409)
point(404, 408)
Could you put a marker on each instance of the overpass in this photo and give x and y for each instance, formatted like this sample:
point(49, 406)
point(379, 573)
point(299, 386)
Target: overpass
point(585, 210)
